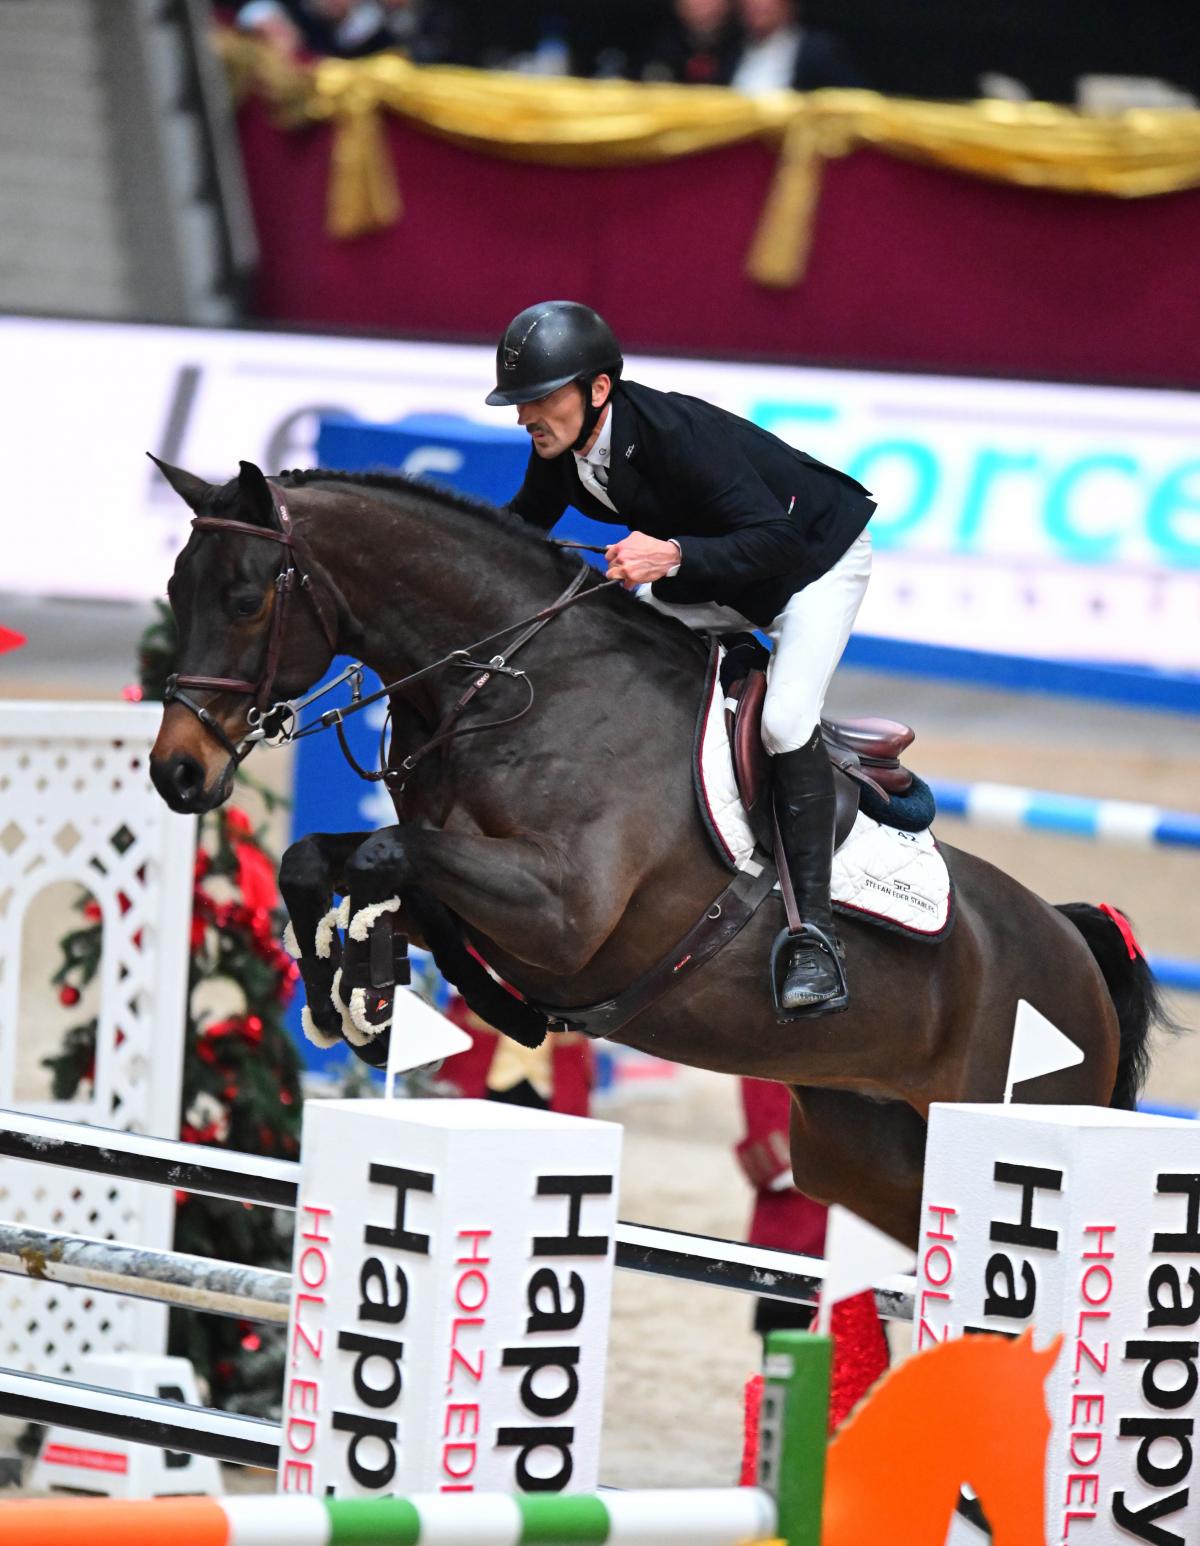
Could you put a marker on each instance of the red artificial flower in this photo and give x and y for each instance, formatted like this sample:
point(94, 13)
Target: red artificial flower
point(256, 878)
point(237, 821)
point(68, 995)
point(219, 1028)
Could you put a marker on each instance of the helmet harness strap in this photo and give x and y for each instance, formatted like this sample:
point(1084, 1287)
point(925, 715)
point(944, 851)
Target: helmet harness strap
point(591, 413)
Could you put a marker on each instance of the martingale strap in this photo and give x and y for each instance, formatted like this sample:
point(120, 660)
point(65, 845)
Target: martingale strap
point(723, 921)
point(448, 728)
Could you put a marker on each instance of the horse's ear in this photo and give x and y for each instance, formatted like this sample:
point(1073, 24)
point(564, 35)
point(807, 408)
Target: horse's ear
point(254, 497)
point(192, 490)
point(1048, 1357)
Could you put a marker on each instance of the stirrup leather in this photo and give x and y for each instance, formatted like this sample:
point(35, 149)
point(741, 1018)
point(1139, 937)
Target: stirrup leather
point(781, 951)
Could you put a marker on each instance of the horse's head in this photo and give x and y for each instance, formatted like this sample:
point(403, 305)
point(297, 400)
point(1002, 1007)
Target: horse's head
point(972, 1409)
point(245, 641)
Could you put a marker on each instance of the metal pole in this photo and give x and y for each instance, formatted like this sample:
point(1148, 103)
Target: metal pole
point(189, 1167)
point(170, 1277)
point(750, 1269)
point(246, 1178)
point(116, 1414)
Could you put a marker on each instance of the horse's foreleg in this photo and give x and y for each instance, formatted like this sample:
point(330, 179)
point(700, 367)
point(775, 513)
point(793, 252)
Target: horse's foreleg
point(310, 871)
point(517, 891)
point(510, 890)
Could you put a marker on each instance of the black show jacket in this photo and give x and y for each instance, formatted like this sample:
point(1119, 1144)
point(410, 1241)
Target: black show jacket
point(755, 519)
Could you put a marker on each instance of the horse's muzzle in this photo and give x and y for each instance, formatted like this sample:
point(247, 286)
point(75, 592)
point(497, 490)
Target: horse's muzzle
point(180, 780)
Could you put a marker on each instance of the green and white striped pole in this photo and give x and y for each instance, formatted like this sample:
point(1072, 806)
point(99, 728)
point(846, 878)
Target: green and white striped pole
point(784, 1509)
point(731, 1516)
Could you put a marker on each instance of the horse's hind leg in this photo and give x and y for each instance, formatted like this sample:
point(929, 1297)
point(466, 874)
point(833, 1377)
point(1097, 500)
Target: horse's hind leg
point(310, 872)
point(868, 1155)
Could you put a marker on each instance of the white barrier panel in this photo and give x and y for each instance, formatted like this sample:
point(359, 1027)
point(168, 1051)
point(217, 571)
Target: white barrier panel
point(1086, 1222)
point(452, 1285)
point(78, 815)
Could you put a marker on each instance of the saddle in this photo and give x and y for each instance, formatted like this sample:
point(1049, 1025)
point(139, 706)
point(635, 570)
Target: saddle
point(865, 753)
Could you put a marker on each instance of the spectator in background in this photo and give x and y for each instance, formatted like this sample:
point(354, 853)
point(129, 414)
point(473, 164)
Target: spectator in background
point(484, 34)
point(697, 44)
point(777, 52)
point(345, 29)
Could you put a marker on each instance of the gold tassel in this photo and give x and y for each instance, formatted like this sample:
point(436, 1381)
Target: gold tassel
point(779, 254)
point(364, 194)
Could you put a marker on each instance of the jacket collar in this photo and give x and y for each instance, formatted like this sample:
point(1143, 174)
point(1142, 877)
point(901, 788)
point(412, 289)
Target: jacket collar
point(623, 477)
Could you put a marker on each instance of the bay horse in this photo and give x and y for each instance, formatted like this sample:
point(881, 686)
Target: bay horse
point(565, 844)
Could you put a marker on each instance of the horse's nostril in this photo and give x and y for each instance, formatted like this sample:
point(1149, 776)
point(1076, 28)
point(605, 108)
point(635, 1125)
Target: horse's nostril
point(188, 778)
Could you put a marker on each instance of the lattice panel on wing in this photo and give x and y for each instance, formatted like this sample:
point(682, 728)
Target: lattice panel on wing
point(77, 808)
point(46, 1327)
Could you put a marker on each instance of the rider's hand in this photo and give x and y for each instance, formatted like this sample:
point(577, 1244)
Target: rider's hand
point(638, 559)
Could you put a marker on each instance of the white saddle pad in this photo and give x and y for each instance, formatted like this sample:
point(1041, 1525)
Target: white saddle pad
point(898, 879)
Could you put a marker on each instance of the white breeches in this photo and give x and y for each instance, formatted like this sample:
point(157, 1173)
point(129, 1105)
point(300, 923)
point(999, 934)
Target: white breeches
point(809, 636)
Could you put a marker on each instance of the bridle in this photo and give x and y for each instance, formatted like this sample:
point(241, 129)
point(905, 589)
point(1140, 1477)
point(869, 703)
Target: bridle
point(277, 724)
point(295, 559)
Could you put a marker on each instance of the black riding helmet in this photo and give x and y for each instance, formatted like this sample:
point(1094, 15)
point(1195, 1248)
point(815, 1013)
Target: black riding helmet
point(549, 345)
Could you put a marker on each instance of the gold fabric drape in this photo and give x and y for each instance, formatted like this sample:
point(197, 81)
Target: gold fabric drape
point(569, 122)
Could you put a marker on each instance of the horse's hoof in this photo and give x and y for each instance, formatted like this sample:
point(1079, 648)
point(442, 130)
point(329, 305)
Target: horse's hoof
point(370, 1014)
point(323, 1030)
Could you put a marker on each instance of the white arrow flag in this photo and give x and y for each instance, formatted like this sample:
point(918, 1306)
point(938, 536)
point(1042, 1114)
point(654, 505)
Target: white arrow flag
point(1038, 1047)
point(857, 1256)
point(419, 1036)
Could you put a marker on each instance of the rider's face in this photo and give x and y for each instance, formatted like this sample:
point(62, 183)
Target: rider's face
point(554, 421)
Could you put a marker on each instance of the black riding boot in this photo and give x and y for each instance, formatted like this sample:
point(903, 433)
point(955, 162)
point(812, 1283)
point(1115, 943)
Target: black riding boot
point(810, 978)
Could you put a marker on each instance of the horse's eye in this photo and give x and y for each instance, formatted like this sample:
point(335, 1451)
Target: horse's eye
point(246, 604)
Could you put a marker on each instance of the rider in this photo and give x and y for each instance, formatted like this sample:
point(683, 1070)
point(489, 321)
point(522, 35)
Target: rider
point(732, 530)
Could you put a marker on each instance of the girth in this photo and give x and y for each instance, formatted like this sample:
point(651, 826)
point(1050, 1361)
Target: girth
point(723, 921)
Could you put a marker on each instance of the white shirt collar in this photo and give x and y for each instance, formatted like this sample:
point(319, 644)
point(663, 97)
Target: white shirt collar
point(601, 453)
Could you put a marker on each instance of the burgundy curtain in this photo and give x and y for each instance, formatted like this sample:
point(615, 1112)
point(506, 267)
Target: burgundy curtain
point(910, 267)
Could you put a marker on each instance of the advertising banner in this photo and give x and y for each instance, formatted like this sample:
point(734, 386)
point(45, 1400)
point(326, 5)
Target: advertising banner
point(1038, 519)
point(1082, 1223)
point(452, 1284)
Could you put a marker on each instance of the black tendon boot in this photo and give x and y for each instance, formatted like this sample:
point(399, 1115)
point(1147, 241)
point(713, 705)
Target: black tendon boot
point(806, 968)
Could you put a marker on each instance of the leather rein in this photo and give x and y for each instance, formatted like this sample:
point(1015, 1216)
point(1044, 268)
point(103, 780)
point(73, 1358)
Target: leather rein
point(284, 714)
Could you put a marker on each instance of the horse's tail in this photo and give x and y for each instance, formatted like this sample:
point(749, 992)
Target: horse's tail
point(1134, 989)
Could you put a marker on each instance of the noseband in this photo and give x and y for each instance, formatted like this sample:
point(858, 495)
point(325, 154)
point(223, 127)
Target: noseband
point(295, 558)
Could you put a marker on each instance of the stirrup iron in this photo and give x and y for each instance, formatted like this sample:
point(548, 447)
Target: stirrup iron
point(829, 944)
